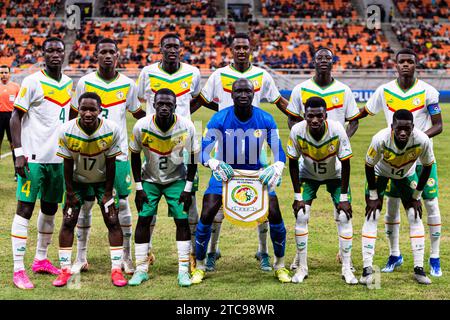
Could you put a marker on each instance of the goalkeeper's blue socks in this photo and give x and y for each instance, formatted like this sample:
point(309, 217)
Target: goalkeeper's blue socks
point(202, 236)
point(278, 237)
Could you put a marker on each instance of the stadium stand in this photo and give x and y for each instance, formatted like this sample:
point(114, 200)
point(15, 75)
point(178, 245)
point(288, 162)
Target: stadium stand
point(27, 9)
point(285, 41)
point(429, 39)
point(324, 9)
point(204, 43)
point(163, 8)
point(21, 40)
point(291, 44)
point(425, 9)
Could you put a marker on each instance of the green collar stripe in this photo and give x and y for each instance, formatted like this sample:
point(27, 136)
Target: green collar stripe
point(168, 80)
point(89, 140)
point(318, 146)
point(107, 89)
point(164, 138)
point(322, 94)
point(55, 86)
point(406, 150)
point(236, 78)
point(404, 98)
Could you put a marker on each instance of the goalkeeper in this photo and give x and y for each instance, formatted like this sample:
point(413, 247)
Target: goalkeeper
point(240, 131)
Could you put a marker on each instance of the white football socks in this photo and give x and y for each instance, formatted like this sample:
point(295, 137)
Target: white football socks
point(392, 225)
point(369, 237)
point(83, 230)
point(141, 255)
point(45, 226)
point(19, 234)
point(434, 223)
point(301, 235)
point(125, 220)
point(417, 236)
point(183, 248)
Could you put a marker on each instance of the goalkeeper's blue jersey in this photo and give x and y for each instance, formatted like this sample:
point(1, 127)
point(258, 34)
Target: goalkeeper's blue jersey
point(240, 143)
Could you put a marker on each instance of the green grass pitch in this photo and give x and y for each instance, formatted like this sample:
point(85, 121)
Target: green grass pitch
point(238, 275)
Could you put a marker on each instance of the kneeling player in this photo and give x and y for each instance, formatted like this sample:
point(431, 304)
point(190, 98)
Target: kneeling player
point(240, 132)
point(89, 146)
point(325, 150)
point(163, 137)
point(392, 155)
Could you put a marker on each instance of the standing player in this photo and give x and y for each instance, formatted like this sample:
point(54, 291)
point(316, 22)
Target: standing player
point(118, 94)
point(218, 87)
point(184, 80)
point(341, 104)
point(89, 146)
point(8, 93)
point(392, 156)
point(40, 108)
point(164, 137)
point(247, 128)
point(417, 96)
point(325, 149)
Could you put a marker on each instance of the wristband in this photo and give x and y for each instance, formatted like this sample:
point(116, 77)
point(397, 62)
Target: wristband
point(417, 194)
point(373, 195)
point(188, 186)
point(18, 152)
point(139, 186)
point(343, 197)
point(298, 197)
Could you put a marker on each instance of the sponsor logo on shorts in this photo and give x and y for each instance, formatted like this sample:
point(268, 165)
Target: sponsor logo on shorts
point(244, 195)
point(413, 184)
point(431, 182)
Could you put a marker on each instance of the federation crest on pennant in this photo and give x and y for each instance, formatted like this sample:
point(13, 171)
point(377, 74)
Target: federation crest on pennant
point(245, 199)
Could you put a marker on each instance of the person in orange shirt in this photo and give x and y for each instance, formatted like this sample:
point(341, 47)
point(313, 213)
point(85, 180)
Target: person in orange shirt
point(8, 93)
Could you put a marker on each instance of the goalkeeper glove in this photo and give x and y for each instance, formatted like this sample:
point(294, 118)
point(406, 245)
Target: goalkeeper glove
point(221, 171)
point(271, 176)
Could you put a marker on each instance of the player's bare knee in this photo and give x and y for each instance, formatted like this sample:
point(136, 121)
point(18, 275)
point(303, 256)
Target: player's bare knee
point(25, 209)
point(183, 231)
point(48, 208)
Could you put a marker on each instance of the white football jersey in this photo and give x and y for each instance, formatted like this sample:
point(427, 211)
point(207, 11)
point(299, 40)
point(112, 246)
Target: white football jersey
point(421, 99)
point(118, 96)
point(185, 83)
point(163, 150)
point(321, 160)
point(391, 162)
point(220, 83)
point(45, 102)
point(341, 104)
point(89, 152)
